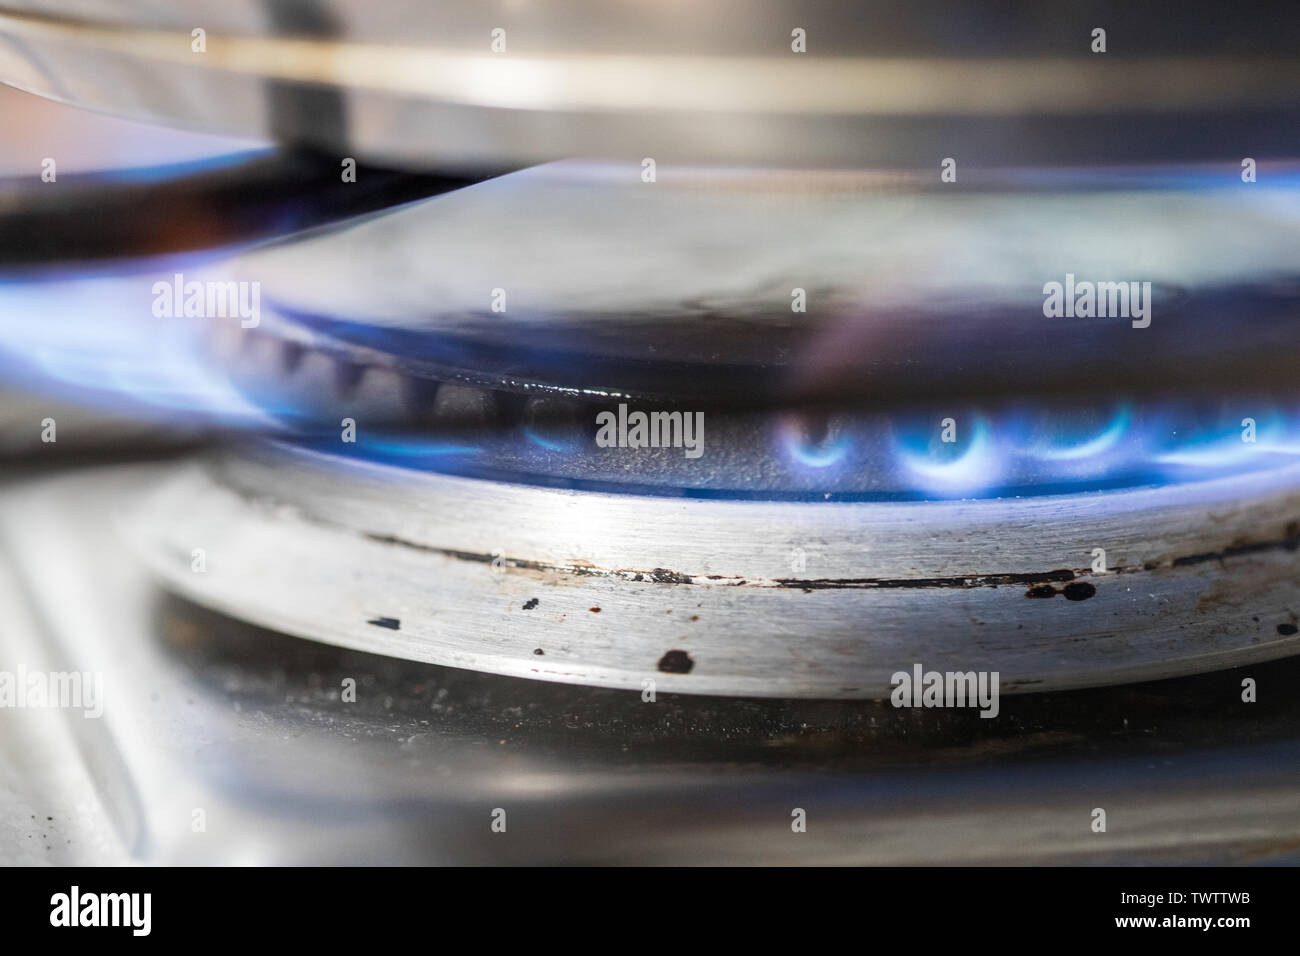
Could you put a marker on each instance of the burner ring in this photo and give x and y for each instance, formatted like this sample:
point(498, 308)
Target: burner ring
point(620, 589)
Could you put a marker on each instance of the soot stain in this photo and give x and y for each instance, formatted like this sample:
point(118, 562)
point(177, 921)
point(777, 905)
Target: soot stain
point(676, 662)
point(530, 604)
point(1078, 591)
point(1074, 591)
point(664, 576)
point(1287, 629)
point(392, 623)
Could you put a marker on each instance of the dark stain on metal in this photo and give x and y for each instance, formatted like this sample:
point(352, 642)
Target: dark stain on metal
point(594, 610)
point(676, 662)
point(1078, 591)
point(972, 581)
point(530, 604)
point(538, 651)
point(664, 576)
point(1008, 685)
point(1289, 542)
point(1074, 591)
point(1287, 629)
point(392, 623)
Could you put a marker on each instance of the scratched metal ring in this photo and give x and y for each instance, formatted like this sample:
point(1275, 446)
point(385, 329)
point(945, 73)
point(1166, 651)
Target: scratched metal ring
point(702, 596)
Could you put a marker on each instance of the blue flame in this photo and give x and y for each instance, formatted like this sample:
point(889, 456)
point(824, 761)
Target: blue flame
point(811, 454)
point(402, 449)
point(1015, 451)
point(954, 467)
point(550, 443)
point(1102, 442)
point(94, 340)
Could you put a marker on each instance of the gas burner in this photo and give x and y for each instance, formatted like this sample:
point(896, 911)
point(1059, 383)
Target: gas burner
point(797, 472)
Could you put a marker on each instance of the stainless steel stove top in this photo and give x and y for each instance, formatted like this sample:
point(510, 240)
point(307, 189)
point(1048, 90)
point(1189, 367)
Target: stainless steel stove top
point(205, 712)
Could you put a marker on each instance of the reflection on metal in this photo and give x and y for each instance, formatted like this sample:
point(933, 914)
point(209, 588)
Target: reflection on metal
point(912, 291)
point(584, 82)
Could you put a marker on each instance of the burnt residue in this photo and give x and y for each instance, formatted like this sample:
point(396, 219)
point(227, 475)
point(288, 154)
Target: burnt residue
point(538, 651)
point(1033, 579)
point(1036, 581)
point(530, 604)
point(1078, 591)
point(664, 576)
point(1287, 629)
point(1074, 591)
point(658, 575)
point(676, 662)
point(392, 623)
point(971, 581)
point(1289, 542)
